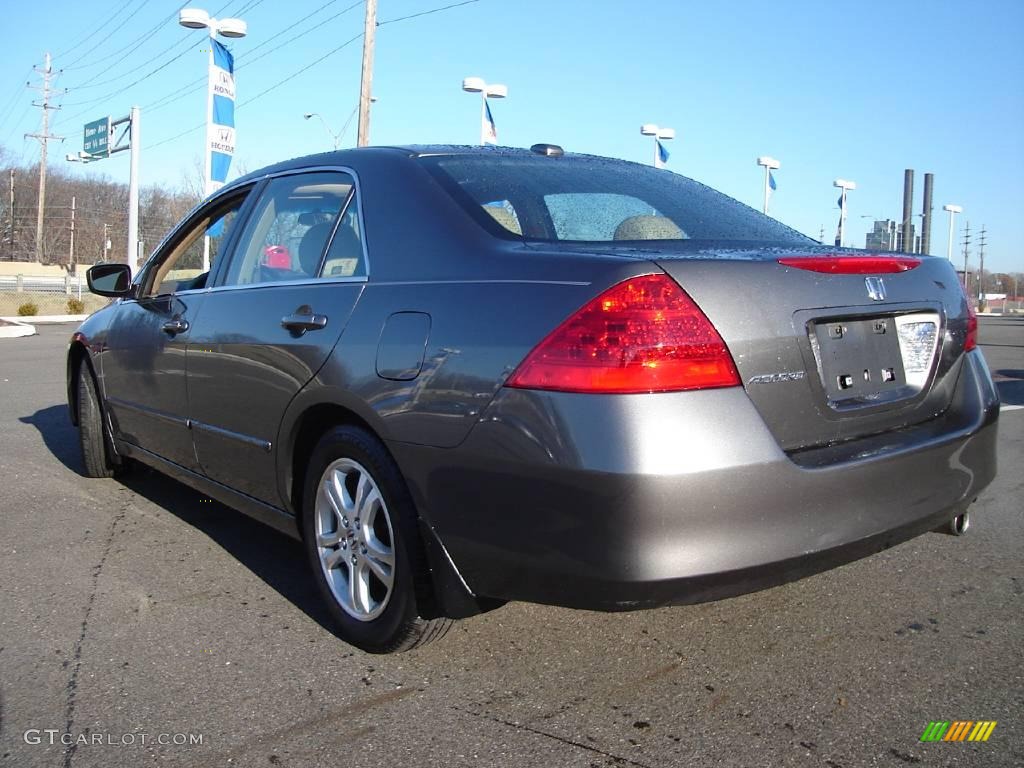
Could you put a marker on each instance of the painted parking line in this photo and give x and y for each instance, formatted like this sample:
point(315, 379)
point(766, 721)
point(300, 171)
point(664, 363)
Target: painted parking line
point(1011, 407)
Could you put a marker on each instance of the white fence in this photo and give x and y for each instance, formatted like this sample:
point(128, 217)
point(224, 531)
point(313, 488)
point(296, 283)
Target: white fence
point(70, 285)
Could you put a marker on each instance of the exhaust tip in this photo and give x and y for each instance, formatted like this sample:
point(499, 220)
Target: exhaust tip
point(958, 525)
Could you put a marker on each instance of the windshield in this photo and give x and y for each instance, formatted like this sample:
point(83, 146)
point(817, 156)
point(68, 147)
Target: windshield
point(595, 200)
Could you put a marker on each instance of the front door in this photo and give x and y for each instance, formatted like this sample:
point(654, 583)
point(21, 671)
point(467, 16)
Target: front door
point(144, 367)
point(272, 318)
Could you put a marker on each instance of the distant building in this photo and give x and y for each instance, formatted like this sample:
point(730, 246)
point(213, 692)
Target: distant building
point(887, 235)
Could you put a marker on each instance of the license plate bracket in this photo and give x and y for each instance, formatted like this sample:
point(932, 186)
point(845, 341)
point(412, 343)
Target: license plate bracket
point(859, 359)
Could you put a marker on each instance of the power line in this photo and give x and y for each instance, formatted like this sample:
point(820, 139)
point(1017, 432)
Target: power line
point(125, 52)
point(199, 83)
point(112, 32)
point(104, 16)
point(426, 13)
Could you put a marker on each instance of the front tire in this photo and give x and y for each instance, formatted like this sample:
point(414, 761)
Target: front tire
point(92, 435)
point(360, 531)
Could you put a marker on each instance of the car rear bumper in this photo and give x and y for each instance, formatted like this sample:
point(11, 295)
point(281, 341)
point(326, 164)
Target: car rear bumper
point(625, 502)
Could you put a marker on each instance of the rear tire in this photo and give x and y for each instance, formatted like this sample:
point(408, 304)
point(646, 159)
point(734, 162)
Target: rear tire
point(360, 531)
point(92, 435)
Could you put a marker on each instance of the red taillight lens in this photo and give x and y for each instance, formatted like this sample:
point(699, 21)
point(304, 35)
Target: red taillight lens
point(972, 328)
point(642, 335)
point(852, 265)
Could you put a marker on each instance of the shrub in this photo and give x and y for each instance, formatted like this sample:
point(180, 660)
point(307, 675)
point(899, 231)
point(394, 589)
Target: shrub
point(28, 309)
point(76, 307)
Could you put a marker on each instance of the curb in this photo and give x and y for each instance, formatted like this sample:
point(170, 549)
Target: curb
point(16, 330)
point(47, 319)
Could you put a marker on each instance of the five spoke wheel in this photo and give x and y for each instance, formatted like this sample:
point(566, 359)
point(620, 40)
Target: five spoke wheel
point(354, 539)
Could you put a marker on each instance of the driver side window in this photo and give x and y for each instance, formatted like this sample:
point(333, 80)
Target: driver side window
point(182, 268)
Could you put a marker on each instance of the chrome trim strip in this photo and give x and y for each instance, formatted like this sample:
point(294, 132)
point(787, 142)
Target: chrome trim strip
point(254, 442)
point(152, 412)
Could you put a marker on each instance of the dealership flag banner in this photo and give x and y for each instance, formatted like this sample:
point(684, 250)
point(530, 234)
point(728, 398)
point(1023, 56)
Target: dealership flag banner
point(220, 130)
point(662, 154)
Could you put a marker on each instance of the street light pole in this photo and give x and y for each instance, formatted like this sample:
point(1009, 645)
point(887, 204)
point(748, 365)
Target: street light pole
point(845, 186)
point(336, 138)
point(953, 211)
point(132, 256)
point(770, 164)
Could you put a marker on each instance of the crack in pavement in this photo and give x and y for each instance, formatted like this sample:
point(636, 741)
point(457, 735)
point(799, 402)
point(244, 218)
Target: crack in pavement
point(561, 739)
point(72, 687)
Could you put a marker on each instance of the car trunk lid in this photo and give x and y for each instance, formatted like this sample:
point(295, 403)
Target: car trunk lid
point(829, 357)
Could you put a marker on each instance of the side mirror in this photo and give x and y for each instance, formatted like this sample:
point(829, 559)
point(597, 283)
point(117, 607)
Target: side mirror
point(110, 279)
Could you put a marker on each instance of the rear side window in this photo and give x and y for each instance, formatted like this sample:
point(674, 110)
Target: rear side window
point(287, 235)
point(596, 200)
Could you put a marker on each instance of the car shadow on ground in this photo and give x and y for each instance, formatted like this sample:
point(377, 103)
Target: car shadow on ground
point(1010, 383)
point(272, 556)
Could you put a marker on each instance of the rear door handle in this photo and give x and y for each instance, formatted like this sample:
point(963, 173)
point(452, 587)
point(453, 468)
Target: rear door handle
point(175, 326)
point(300, 323)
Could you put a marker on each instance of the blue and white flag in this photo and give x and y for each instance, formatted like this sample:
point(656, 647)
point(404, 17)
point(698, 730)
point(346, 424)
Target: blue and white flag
point(662, 154)
point(220, 132)
point(488, 130)
point(771, 181)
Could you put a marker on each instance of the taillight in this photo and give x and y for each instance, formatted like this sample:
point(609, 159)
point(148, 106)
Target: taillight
point(972, 328)
point(852, 265)
point(642, 335)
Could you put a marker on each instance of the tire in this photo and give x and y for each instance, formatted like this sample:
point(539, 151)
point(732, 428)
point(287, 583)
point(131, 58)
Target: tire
point(358, 518)
point(92, 434)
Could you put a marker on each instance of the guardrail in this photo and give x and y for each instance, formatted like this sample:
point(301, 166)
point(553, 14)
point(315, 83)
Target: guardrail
point(69, 285)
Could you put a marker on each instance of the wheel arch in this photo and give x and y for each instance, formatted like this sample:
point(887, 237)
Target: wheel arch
point(77, 354)
point(448, 594)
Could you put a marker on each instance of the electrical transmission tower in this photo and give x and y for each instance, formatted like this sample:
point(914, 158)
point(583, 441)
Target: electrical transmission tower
point(44, 137)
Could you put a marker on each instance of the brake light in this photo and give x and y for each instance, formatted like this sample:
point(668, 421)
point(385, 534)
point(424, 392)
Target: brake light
point(642, 335)
point(852, 265)
point(972, 328)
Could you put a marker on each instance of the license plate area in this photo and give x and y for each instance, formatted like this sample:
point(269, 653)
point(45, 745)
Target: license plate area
point(860, 362)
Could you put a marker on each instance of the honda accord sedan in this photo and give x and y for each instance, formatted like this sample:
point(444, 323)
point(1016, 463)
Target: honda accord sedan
point(482, 375)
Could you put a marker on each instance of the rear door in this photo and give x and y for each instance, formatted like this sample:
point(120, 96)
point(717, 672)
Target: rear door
point(273, 317)
point(144, 364)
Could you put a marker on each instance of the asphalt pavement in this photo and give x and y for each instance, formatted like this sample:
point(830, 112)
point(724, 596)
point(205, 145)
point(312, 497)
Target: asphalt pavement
point(144, 624)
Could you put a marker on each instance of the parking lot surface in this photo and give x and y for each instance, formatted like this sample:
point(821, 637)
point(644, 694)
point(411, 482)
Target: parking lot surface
point(136, 614)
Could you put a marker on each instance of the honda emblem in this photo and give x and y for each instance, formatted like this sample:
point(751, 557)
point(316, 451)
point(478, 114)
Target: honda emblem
point(876, 288)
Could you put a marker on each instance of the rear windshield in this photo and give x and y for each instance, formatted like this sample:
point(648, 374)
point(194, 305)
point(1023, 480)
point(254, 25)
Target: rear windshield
point(593, 200)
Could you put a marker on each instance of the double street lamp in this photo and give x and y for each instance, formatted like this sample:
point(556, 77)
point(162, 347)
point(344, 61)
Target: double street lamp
point(660, 135)
point(488, 132)
point(196, 18)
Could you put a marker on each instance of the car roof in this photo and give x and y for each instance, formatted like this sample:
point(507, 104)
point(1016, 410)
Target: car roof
point(347, 156)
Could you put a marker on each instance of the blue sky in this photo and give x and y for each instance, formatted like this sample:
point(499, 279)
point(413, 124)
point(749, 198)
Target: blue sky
point(853, 90)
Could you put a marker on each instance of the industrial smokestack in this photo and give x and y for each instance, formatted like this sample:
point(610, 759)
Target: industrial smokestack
point(926, 214)
point(908, 204)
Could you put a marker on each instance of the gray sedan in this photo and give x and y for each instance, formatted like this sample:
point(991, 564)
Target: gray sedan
point(464, 376)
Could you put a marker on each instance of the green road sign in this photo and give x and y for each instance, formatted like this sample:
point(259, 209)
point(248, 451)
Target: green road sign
point(96, 139)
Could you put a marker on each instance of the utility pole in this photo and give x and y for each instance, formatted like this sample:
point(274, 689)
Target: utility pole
point(981, 268)
point(967, 245)
point(10, 215)
point(44, 137)
point(366, 82)
point(134, 134)
point(71, 248)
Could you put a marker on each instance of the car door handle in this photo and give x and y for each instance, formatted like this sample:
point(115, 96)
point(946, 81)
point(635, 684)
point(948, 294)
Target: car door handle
point(175, 326)
point(300, 323)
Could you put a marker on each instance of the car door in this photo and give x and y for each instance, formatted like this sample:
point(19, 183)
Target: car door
point(273, 316)
point(144, 363)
